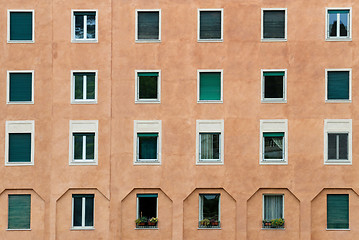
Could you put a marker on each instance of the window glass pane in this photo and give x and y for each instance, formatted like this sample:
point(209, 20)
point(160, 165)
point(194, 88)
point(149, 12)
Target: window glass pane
point(273, 207)
point(77, 212)
point(338, 85)
point(147, 87)
point(78, 148)
point(343, 146)
point(344, 24)
point(91, 26)
point(19, 147)
point(209, 145)
point(89, 210)
point(19, 211)
point(273, 148)
point(148, 25)
point(147, 207)
point(273, 87)
point(90, 146)
point(210, 86)
point(147, 147)
point(210, 25)
point(79, 26)
point(20, 87)
point(91, 86)
point(21, 26)
point(338, 211)
point(78, 86)
point(210, 206)
point(332, 17)
point(274, 24)
point(332, 146)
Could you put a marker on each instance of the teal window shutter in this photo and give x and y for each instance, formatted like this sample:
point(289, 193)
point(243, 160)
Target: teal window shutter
point(20, 87)
point(147, 86)
point(273, 74)
point(210, 25)
point(273, 134)
point(338, 85)
point(338, 211)
point(148, 74)
point(147, 195)
point(19, 212)
point(147, 149)
point(19, 147)
point(210, 86)
point(148, 25)
point(21, 26)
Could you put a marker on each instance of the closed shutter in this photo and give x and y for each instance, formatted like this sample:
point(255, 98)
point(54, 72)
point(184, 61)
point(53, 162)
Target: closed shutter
point(274, 24)
point(147, 145)
point(19, 147)
point(338, 85)
point(210, 86)
point(19, 212)
point(148, 25)
point(337, 211)
point(210, 25)
point(20, 87)
point(21, 26)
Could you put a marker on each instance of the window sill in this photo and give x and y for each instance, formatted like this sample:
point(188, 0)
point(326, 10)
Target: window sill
point(147, 163)
point(84, 102)
point(210, 40)
point(8, 229)
point(84, 41)
point(337, 229)
point(9, 164)
point(209, 162)
point(148, 101)
point(338, 101)
point(20, 41)
point(148, 41)
point(337, 39)
point(273, 162)
point(210, 101)
point(272, 228)
point(337, 162)
point(273, 40)
point(213, 228)
point(81, 228)
point(21, 103)
point(154, 228)
point(274, 101)
point(76, 163)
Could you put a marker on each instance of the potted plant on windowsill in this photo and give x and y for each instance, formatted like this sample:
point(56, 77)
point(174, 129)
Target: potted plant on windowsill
point(142, 221)
point(204, 223)
point(153, 221)
point(214, 222)
point(267, 223)
point(277, 223)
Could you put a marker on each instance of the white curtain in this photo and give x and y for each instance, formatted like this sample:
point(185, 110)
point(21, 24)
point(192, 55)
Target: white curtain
point(273, 207)
point(206, 146)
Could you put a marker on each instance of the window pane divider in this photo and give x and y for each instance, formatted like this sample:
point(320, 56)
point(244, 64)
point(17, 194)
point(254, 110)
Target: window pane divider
point(83, 212)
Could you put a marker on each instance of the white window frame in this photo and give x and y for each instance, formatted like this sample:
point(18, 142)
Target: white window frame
point(138, 205)
point(274, 100)
point(273, 125)
point(272, 194)
point(8, 86)
point(350, 85)
point(27, 126)
point(285, 28)
point(327, 37)
point(147, 126)
point(83, 101)
point(199, 71)
point(199, 24)
point(137, 99)
point(8, 25)
point(200, 208)
point(83, 206)
point(84, 40)
point(338, 126)
point(159, 26)
point(210, 126)
point(83, 126)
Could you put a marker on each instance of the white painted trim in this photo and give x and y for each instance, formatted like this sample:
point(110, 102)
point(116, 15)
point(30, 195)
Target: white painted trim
point(198, 24)
point(210, 126)
point(73, 40)
point(285, 30)
point(159, 26)
point(273, 125)
point(274, 100)
point(149, 126)
point(83, 126)
point(83, 101)
point(337, 126)
point(273, 194)
point(27, 126)
point(158, 100)
point(350, 85)
point(198, 85)
point(8, 26)
point(8, 86)
point(350, 22)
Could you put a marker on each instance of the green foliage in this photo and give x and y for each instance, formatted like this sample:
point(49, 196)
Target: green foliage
point(204, 222)
point(279, 222)
point(141, 220)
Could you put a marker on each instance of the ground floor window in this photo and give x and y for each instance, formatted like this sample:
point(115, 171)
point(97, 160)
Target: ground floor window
point(147, 211)
point(209, 211)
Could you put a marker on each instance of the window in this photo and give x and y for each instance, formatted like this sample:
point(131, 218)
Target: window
point(210, 84)
point(19, 143)
point(338, 25)
point(84, 25)
point(148, 86)
point(148, 25)
point(83, 211)
point(274, 85)
point(273, 211)
point(147, 145)
point(210, 25)
point(274, 141)
point(20, 87)
point(84, 87)
point(210, 142)
point(274, 24)
point(337, 211)
point(147, 215)
point(21, 26)
point(337, 141)
point(338, 85)
point(19, 212)
point(209, 211)
point(83, 142)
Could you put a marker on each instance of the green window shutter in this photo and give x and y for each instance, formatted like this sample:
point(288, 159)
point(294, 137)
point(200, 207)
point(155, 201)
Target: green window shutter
point(20, 87)
point(19, 212)
point(273, 134)
point(21, 26)
point(338, 85)
point(338, 11)
point(147, 145)
point(274, 24)
point(147, 87)
point(19, 147)
point(148, 25)
point(147, 195)
point(210, 86)
point(337, 211)
point(85, 13)
point(148, 74)
point(210, 25)
point(273, 74)
point(147, 134)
